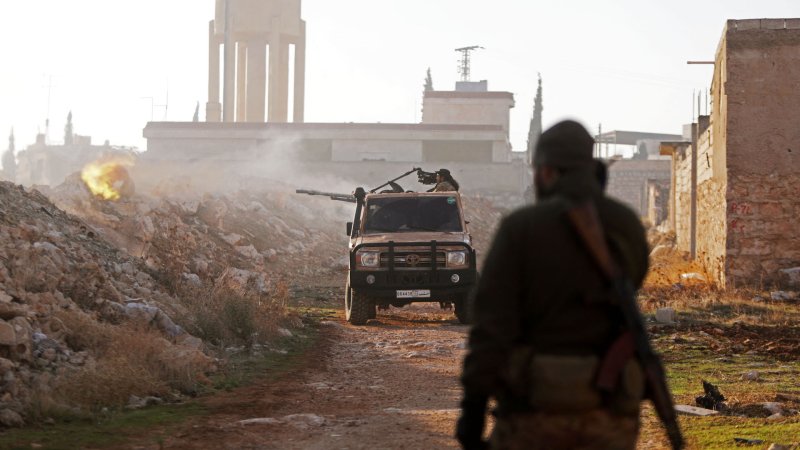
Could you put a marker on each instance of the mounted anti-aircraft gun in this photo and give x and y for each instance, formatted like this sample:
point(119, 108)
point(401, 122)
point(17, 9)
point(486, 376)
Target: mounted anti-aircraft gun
point(406, 247)
point(423, 177)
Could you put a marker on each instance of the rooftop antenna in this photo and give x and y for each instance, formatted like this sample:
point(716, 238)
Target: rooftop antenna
point(464, 64)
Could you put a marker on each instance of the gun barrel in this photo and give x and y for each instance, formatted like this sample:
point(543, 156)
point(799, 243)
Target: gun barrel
point(332, 195)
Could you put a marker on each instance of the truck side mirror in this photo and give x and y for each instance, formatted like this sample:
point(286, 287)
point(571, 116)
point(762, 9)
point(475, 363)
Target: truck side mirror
point(349, 228)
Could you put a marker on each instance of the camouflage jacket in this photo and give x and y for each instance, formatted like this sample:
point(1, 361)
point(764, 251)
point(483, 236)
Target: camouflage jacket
point(534, 289)
point(444, 186)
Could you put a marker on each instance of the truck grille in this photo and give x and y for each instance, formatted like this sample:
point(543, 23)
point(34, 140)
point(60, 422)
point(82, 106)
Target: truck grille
point(413, 260)
point(413, 279)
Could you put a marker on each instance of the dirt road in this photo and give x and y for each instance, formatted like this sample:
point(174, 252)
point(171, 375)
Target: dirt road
point(390, 385)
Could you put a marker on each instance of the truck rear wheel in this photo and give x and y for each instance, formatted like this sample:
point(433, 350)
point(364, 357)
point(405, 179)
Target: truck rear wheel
point(358, 307)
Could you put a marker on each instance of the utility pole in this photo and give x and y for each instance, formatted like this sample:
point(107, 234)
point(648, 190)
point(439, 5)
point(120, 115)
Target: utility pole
point(600, 141)
point(152, 106)
point(47, 118)
point(464, 64)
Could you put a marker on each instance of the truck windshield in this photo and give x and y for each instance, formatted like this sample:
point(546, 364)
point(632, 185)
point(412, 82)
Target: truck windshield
point(394, 214)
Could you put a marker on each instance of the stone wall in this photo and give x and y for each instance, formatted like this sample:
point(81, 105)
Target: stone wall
point(762, 218)
point(683, 200)
point(762, 152)
point(711, 205)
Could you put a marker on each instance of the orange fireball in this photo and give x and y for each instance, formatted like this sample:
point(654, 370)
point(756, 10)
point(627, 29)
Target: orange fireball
point(108, 178)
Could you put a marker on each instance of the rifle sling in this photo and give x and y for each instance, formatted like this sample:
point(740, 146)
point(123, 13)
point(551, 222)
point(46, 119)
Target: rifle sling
point(614, 361)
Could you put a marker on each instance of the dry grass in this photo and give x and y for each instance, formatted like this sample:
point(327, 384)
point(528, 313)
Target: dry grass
point(128, 360)
point(227, 316)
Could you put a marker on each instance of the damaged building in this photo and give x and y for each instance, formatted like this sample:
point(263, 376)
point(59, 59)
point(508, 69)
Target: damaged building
point(49, 164)
point(735, 187)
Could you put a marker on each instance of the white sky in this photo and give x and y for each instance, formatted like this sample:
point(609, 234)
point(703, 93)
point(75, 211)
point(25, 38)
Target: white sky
point(619, 62)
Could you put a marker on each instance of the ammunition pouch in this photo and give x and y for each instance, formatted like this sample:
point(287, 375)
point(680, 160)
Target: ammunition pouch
point(568, 383)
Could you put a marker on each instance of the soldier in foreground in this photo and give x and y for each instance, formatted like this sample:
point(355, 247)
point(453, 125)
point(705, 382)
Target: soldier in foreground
point(557, 339)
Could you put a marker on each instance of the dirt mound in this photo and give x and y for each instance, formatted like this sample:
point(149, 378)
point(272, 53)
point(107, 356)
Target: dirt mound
point(672, 267)
point(60, 279)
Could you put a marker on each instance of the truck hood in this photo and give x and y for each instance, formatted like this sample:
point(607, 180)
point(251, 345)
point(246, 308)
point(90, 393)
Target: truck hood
point(422, 236)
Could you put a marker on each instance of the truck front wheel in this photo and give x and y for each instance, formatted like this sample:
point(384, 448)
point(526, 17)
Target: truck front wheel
point(462, 310)
point(358, 307)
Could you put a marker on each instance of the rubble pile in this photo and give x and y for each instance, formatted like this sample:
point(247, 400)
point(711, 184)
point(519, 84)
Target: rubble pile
point(54, 266)
point(484, 217)
point(209, 239)
point(671, 267)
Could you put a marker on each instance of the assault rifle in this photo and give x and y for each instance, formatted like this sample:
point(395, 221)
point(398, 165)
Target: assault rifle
point(585, 219)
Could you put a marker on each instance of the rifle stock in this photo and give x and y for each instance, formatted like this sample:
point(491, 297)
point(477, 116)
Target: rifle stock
point(586, 222)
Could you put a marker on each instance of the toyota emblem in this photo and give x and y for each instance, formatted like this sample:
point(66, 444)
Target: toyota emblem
point(412, 260)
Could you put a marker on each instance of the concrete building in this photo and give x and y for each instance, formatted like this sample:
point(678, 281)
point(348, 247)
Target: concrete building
point(50, 165)
point(735, 190)
point(244, 29)
point(465, 130)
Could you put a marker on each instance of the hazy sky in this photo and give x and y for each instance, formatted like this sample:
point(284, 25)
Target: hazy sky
point(619, 62)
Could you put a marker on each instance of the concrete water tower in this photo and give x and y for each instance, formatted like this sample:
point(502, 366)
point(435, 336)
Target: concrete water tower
point(242, 34)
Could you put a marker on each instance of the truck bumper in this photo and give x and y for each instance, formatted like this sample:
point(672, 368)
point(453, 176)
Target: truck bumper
point(438, 282)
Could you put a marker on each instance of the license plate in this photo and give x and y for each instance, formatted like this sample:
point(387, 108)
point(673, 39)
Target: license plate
point(418, 293)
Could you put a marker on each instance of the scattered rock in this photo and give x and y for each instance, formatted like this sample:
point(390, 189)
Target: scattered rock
point(665, 315)
point(260, 421)
point(780, 447)
point(751, 376)
point(193, 279)
point(688, 410)
point(284, 332)
point(7, 335)
point(138, 403)
point(790, 277)
point(11, 419)
point(773, 407)
point(305, 421)
point(693, 276)
point(746, 441)
point(783, 296)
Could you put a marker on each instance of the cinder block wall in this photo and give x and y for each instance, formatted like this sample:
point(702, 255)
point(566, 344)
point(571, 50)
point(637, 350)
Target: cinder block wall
point(628, 179)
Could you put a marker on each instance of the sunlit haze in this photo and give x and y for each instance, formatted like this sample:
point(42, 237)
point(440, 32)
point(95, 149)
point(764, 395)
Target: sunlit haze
point(621, 63)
